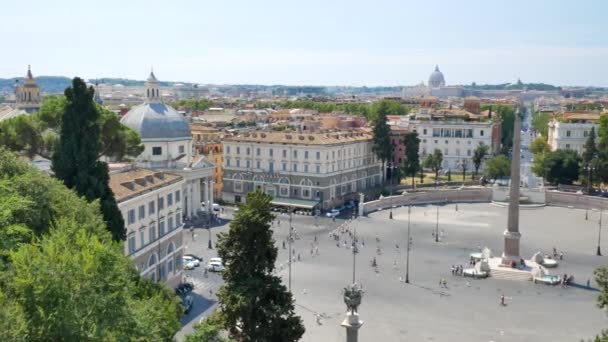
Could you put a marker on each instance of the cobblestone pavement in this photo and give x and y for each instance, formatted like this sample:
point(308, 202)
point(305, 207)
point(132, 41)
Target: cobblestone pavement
point(465, 310)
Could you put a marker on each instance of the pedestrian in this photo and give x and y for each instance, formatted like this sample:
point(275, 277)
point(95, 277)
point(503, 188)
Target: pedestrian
point(318, 319)
point(362, 242)
point(317, 250)
point(293, 252)
point(561, 255)
point(315, 238)
point(453, 269)
point(192, 232)
point(298, 256)
point(588, 283)
point(502, 299)
point(283, 244)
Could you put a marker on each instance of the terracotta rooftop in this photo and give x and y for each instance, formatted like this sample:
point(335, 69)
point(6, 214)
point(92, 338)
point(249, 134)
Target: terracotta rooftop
point(134, 182)
point(303, 138)
point(582, 116)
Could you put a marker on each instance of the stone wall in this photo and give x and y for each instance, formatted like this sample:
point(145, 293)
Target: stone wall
point(439, 196)
point(566, 199)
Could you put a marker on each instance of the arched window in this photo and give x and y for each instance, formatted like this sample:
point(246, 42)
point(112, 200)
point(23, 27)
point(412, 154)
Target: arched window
point(148, 92)
point(152, 260)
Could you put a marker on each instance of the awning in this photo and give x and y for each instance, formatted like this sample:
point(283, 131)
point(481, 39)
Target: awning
point(296, 203)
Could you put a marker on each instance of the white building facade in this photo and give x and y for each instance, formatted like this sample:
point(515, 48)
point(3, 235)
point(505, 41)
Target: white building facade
point(306, 170)
point(456, 139)
point(151, 204)
point(168, 146)
point(569, 135)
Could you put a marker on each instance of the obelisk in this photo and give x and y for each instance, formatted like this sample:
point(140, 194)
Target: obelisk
point(512, 234)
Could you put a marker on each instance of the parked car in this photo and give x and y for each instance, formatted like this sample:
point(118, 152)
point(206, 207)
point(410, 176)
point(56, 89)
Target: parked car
point(350, 204)
point(189, 265)
point(188, 259)
point(333, 213)
point(216, 259)
point(215, 267)
point(187, 303)
point(200, 259)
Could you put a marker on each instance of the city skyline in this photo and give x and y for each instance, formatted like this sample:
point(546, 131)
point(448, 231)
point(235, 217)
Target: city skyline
point(341, 43)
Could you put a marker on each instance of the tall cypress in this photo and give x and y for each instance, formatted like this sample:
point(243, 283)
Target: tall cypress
point(381, 144)
point(411, 163)
point(75, 161)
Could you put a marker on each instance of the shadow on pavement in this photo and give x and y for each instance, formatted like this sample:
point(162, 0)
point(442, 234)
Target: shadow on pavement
point(200, 305)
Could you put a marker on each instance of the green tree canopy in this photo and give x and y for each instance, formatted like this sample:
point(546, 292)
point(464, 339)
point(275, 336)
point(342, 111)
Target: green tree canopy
point(76, 159)
point(497, 166)
point(507, 117)
point(38, 133)
point(411, 163)
point(253, 298)
point(479, 154)
point(590, 151)
point(381, 144)
point(539, 146)
point(434, 162)
point(558, 167)
point(62, 277)
point(540, 122)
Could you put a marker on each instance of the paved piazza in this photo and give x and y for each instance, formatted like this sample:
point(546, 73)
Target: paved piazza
point(467, 310)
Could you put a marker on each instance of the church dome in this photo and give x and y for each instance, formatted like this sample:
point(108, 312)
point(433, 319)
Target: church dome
point(436, 79)
point(154, 120)
point(157, 121)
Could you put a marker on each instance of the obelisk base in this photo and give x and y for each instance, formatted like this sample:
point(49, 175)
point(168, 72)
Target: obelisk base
point(352, 325)
point(511, 251)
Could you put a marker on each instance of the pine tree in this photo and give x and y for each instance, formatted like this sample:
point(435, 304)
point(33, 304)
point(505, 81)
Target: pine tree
point(75, 161)
point(254, 304)
point(382, 146)
point(590, 148)
point(480, 153)
point(411, 164)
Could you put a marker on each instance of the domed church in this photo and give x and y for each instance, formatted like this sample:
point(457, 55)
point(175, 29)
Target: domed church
point(436, 79)
point(167, 142)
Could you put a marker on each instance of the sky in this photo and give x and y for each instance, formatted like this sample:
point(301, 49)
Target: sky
point(312, 42)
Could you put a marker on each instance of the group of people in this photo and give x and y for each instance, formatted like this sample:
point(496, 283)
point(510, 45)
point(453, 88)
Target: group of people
point(457, 270)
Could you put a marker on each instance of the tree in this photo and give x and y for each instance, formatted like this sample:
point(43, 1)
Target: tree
point(464, 167)
point(497, 166)
point(88, 290)
point(61, 275)
point(507, 118)
point(207, 331)
point(558, 167)
point(540, 122)
point(434, 162)
point(75, 161)
point(601, 278)
point(381, 144)
point(539, 146)
point(254, 304)
point(479, 154)
point(411, 163)
point(590, 150)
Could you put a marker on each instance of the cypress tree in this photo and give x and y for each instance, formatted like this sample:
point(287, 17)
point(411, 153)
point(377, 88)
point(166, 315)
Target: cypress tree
point(254, 305)
point(75, 161)
point(381, 144)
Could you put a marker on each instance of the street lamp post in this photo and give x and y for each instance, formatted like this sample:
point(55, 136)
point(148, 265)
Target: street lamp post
point(437, 225)
point(599, 235)
point(289, 240)
point(407, 258)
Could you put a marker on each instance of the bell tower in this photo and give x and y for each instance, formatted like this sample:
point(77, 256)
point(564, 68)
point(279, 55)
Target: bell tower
point(28, 95)
point(152, 89)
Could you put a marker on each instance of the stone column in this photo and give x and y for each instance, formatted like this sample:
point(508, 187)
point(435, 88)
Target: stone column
point(352, 325)
point(512, 234)
point(190, 200)
point(196, 188)
point(211, 194)
point(361, 199)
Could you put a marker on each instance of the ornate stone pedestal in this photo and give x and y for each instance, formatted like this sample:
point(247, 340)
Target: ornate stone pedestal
point(352, 325)
point(511, 251)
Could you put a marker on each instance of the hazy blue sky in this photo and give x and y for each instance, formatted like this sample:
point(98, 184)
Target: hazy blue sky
point(324, 42)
